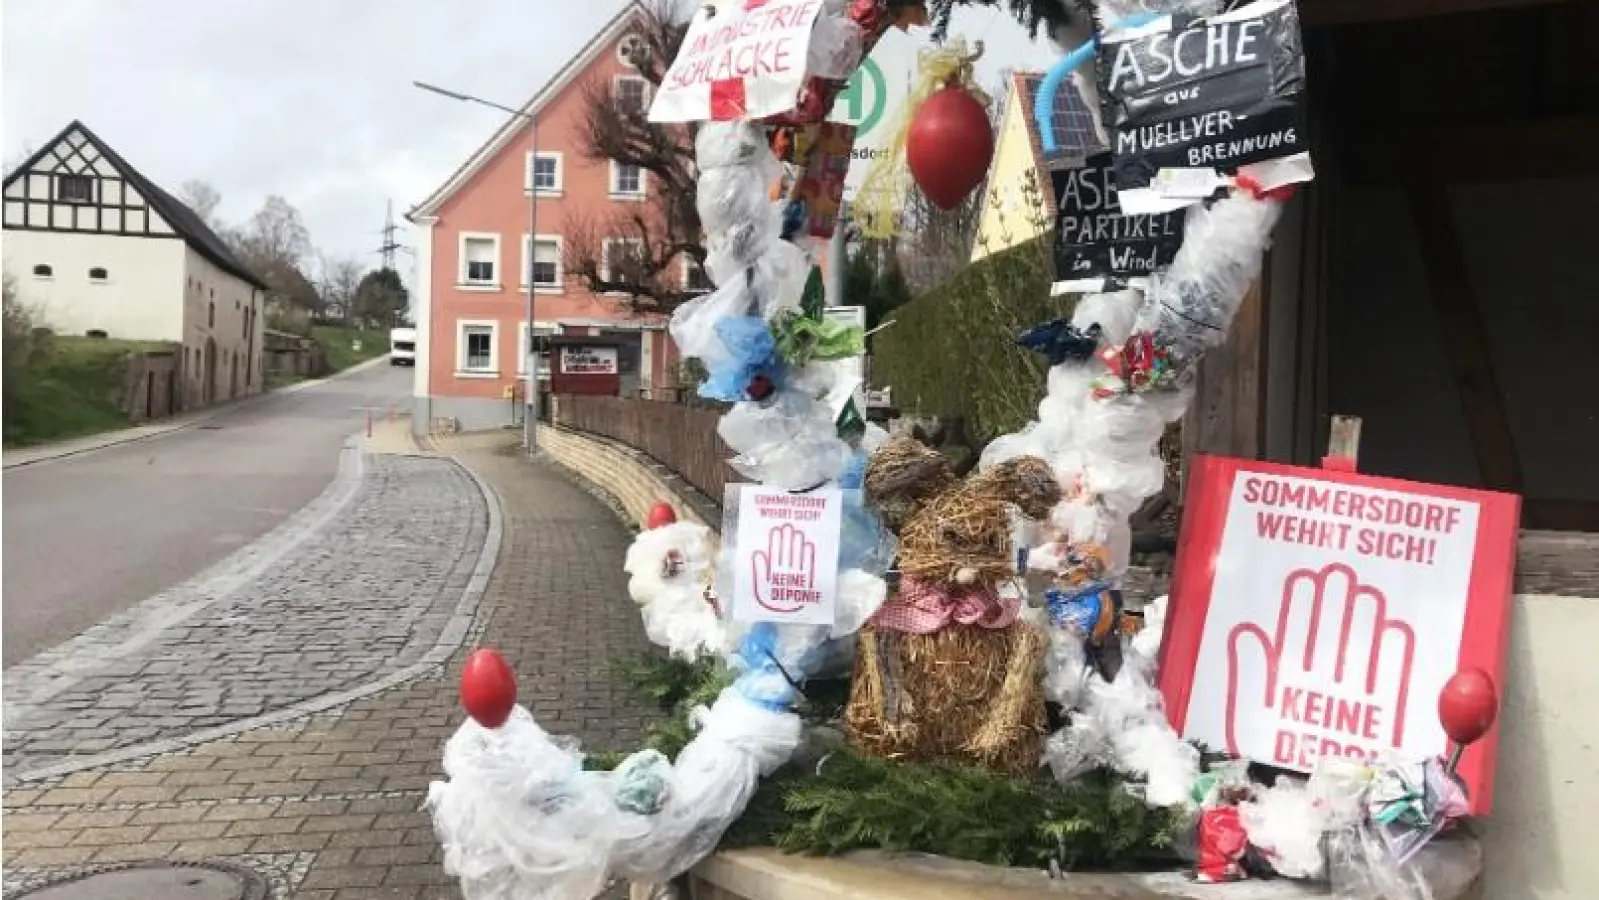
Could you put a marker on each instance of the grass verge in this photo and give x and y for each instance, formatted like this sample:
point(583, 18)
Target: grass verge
point(345, 347)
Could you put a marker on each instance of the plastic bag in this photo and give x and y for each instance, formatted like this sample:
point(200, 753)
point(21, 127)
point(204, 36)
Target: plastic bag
point(791, 442)
point(518, 817)
point(836, 43)
point(1189, 309)
point(1285, 823)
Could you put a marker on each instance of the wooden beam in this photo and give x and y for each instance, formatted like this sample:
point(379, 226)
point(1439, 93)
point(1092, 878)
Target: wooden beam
point(1560, 515)
point(1557, 147)
point(1465, 340)
point(1347, 12)
point(1227, 416)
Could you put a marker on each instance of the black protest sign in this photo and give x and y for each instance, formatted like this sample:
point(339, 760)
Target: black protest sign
point(1215, 93)
point(1093, 239)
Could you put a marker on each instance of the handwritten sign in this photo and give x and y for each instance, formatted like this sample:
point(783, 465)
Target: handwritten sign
point(1095, 242)
point(785, 566)
point(1318, 613)
point(1218, 94)
point(588, 360)
point(745, 62)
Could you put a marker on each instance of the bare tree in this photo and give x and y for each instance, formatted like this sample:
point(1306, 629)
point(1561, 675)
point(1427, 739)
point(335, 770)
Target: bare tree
point(276, 245)
point(204, 199)
point(660, 241)
point(338, 280)
point(15, 161)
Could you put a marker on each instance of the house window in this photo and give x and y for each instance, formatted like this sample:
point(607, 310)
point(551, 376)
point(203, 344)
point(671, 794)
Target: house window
point(75, 188)
point(694, 277)
point(626, 180)
point(632, 94)
point(545, 171)
point(546, 262)
point(43, 271)
point(97, 274)
point(534, 345)
point(480, 256)
point(477, 347)
point(624, 259)
point(210, 315)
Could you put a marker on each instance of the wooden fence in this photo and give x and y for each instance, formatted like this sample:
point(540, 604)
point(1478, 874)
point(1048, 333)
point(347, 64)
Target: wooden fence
point(682, 438)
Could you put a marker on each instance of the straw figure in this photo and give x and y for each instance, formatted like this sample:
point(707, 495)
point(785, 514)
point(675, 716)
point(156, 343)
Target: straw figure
point(946, 670)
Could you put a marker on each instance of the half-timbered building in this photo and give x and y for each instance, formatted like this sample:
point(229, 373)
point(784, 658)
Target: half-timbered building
point(94, 247)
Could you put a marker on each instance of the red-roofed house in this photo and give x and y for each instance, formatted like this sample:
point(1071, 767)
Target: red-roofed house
point(472, 252)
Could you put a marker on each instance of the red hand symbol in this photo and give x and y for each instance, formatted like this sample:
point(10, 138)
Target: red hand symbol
point(789, 561)
point(1331, 633)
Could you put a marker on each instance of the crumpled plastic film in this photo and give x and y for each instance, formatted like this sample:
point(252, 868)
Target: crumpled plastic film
point(518, 817)
point(836, 41)
point(1111, 11)
point(1189, 309)
point(711, 782)
point(693, 325)
point(790, 442)
point(669, 568)
point(1285, 823)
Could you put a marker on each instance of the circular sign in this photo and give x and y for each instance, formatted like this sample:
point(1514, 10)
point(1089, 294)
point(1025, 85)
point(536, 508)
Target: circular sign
point(869, 89)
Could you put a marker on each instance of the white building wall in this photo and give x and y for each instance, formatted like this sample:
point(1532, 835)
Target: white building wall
point(140, 298)
point(422, 314)
point(215, 308)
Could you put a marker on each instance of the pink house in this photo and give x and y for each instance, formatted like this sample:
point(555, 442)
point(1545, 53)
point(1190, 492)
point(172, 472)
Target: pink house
point(473, 339)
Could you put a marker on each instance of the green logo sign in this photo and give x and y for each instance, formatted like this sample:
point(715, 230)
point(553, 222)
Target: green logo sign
point(865, 96)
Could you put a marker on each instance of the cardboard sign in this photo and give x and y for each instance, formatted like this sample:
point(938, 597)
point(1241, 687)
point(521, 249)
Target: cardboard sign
point(746, 62)
point(588, 360)
point(1216, 95)
point(785, 559)
point(1096, 245)
point(1319, 613)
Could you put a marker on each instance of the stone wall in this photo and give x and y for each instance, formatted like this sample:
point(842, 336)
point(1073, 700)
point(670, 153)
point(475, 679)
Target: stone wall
point(632, 478)
point(152, 386)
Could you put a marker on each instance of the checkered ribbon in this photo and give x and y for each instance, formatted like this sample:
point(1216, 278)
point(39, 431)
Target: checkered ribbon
point(923, 607)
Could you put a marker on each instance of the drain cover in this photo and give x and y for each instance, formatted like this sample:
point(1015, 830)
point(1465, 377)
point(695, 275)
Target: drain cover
point(168, 881)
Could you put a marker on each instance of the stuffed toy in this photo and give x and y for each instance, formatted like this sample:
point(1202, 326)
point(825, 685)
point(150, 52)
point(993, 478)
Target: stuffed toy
point(946, 669)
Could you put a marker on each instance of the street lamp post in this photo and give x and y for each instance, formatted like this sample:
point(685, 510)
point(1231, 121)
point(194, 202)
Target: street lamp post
point(530, 364)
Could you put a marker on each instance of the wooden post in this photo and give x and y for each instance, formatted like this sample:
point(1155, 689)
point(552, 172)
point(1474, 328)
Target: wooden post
point(1343, 444)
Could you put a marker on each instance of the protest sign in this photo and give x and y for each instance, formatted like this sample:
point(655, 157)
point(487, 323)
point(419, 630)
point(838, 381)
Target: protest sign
point(1097, 246)
point(1319, 613)
point(746, 62)
point(1203, 97)
point(785, 556)
point(588, 360)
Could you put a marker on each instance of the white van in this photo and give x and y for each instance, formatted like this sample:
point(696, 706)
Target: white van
point(402, 346)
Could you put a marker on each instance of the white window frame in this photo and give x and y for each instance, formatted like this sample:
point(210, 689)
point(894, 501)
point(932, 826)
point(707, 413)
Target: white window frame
point(560, 172)
point(461, 282)
point(548, 329)
point(559, 287)
point(621, 45)
point(461, 356)
point(616, 89)
point(643, 183)
point(605, 255)
point(688, 273)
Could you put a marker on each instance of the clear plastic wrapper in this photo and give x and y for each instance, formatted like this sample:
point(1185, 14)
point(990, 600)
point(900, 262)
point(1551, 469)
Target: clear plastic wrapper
point(735, 196)
point(693, 325)
point(712, 779)
point(1285, 823)
point(836, 43)
point(719, 145)
point(669, 568)
point(791, 442)
point(747, 350)
point(1189, 309)
point(519, 818)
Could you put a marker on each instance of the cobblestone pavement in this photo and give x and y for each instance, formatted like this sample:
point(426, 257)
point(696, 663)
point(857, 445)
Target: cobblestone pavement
point(329, 804)
point(369, 593)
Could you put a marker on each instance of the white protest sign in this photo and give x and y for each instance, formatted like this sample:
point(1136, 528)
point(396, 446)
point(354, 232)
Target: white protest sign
point(746, 62)
point(785, 566)
point(1319, 614)
point(874, 101)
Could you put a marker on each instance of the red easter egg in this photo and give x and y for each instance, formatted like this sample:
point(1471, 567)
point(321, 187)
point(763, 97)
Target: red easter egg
point(661, 514)
point(1468, 705)
point(949, 146)
point(488, 688)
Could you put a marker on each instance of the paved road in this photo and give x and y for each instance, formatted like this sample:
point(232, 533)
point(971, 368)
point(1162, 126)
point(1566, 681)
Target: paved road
point(89, 536)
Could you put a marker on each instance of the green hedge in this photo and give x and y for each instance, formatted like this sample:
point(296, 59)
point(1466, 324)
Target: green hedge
point(952, 351)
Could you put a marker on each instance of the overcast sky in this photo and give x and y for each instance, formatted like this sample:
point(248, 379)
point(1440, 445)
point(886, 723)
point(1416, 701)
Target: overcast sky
point(310, 99)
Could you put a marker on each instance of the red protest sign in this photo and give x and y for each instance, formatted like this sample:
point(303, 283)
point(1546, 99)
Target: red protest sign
point(1316, 612)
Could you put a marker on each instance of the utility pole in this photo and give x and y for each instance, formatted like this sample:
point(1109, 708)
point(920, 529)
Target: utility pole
point(387, 250)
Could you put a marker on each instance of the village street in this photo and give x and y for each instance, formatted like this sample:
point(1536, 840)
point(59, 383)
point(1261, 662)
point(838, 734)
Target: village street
point(279, 700)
